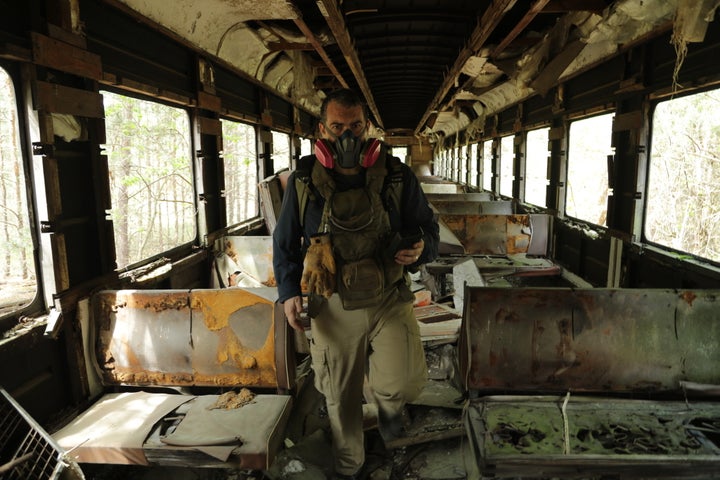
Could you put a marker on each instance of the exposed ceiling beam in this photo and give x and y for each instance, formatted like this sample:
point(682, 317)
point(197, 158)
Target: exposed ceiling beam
point(489, 21)
point(320, 50)
point(336, 22)
point(519, 27)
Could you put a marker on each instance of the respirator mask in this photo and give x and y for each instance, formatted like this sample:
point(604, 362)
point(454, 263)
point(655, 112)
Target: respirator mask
point(348, 150)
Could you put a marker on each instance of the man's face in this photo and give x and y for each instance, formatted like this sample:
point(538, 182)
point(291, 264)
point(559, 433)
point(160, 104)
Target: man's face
point(340, 118)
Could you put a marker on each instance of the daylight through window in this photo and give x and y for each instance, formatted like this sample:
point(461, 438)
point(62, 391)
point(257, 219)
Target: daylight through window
point(536, 161)
point(241, 176)
point(683, 203)
point(18, 281)
point(587, 178)
point(151, 181)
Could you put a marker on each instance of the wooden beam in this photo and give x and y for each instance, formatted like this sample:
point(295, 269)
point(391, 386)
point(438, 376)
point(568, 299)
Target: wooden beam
point(519, 27)
point(54, 98)
point(62, 56)
point(488, 23)
point(334, 19)
point(320, 50)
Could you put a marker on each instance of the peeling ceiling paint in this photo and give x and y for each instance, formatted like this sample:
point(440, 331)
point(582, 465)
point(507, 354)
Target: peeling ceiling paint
point(265, 41)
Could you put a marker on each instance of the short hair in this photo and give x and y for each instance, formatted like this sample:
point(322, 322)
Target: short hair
point(345, 97)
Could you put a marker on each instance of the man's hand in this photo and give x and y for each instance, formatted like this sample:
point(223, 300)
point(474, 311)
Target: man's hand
point(293, 308)
point(410, 255)
point(319, 267)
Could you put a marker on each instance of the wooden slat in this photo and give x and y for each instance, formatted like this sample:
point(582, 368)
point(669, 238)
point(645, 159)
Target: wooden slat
point(209, 126)
point(209, 102)
point(59, 251)
point(627, 121)
point(54, 98)
point(65, 57)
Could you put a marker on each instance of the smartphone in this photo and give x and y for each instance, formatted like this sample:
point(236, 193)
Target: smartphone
point(408, 239)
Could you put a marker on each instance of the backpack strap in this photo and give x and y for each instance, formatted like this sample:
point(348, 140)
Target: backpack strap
point(392, 190)
point(302, 184)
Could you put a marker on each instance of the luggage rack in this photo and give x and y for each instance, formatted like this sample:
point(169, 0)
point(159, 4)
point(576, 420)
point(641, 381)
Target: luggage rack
point(27, 452)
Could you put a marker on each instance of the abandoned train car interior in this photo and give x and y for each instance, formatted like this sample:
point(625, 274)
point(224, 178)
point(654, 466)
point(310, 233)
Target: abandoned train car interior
point(569, 150)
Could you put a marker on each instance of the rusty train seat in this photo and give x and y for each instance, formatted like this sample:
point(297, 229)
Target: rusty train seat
point(569, 383)
point(221, 338)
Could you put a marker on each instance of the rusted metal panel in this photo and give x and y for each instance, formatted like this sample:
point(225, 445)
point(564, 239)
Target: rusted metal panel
point(472, 208)
point(460, 197)
point(592, 340)
point(228, 337)
point(499, 234)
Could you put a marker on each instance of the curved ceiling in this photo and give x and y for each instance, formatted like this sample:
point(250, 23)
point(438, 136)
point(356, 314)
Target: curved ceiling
point(425, 67)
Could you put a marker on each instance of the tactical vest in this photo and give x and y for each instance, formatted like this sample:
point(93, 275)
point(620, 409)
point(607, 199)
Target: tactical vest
point(359, 223)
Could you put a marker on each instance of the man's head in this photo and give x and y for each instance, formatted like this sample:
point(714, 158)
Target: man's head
point(343, 123)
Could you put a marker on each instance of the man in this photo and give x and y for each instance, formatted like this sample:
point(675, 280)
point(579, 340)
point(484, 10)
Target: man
point(357, 245)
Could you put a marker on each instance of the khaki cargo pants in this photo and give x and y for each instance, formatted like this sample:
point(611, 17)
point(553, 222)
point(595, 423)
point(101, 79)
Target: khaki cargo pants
point(383, 342)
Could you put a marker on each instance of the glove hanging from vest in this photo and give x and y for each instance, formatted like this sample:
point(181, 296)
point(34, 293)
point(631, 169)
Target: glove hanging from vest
point(319, 267)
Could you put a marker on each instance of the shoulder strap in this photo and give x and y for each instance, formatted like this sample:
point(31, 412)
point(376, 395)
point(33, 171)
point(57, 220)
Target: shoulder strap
point(391, 191)
point(393, 186)
point(302, 184)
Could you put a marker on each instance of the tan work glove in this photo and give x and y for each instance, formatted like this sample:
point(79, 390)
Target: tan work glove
point(319, 267)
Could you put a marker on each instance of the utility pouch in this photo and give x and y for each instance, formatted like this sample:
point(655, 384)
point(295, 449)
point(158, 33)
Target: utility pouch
point(361, 284)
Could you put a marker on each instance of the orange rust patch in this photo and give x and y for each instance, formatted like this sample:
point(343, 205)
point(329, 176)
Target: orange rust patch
point(688, 297)
point(217, 306)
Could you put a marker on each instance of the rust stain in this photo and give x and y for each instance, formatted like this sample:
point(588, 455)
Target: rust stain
point(688, 297)
point(230, 250)
point(127, 376)
point(492, 359)
point(217, 307)
point(156, 301)
point(503, 315)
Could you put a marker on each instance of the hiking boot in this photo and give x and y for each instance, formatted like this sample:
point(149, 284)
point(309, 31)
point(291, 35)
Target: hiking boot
point(393, 430)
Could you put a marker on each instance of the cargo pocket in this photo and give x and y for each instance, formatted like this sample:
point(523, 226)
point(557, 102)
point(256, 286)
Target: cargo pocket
point(321, 368)
point(417, 366)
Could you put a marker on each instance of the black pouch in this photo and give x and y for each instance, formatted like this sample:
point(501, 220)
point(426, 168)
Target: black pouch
point(361, 284)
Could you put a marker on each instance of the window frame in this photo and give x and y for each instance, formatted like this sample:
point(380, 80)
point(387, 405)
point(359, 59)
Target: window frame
point(646, 179)
point(179, 249)
point(568, 163)
point(258, 212)
point(38, 304)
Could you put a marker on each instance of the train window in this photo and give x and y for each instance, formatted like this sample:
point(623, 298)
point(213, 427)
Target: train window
point(587, 182)
point(536, 162)
point(462, 164)
point(441, 169)
point(401, 152)
point(683, 201)
point(306, 147)
point(507, 155)
point(18, 281)
point(474, 165)
point(487, 165)
point(241, 175)
point(151, 177)
point(452, 158)
point(281, 151)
